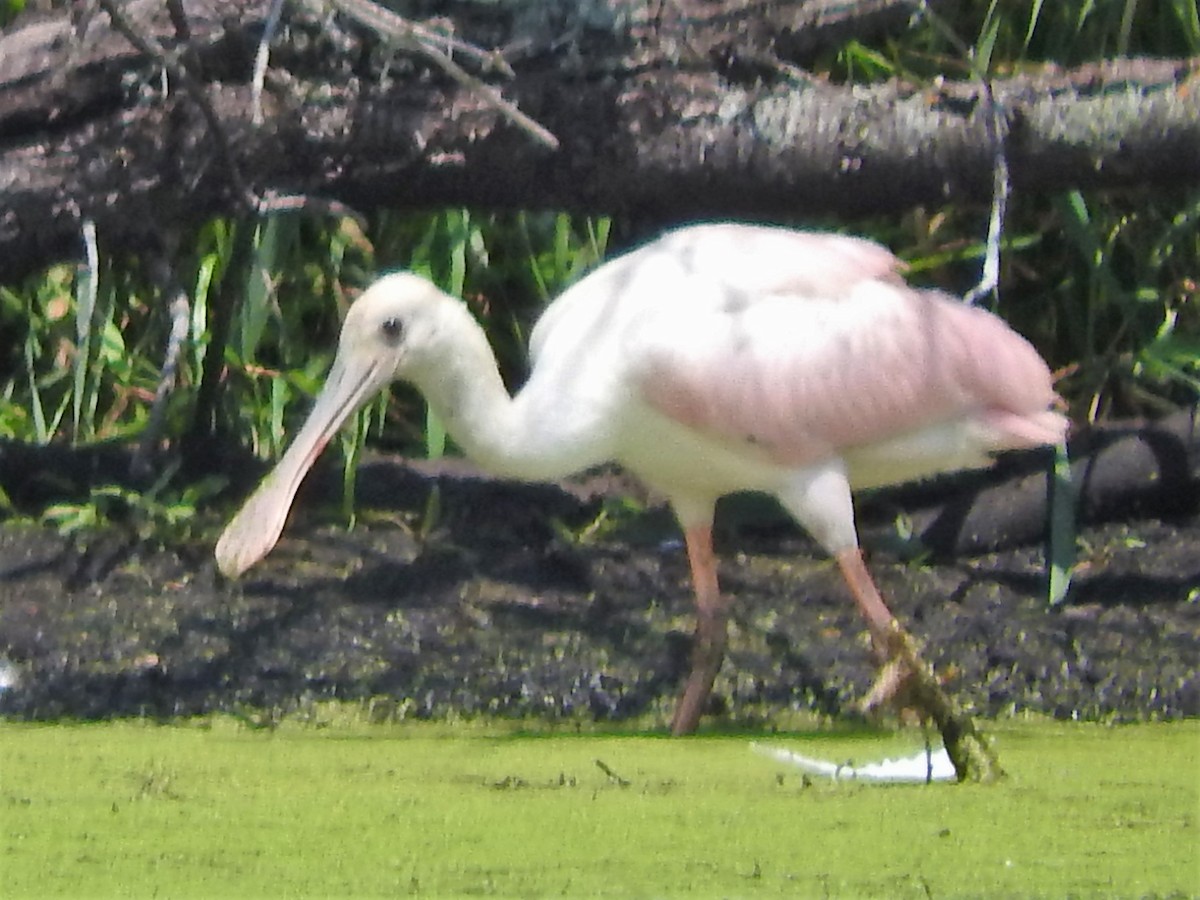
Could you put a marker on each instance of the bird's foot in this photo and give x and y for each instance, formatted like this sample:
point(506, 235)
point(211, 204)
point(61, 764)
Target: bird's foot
point(909, 685)
point(904, 679)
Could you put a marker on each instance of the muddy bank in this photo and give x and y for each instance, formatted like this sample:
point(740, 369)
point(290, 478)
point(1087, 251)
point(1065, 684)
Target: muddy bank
point(538, 601)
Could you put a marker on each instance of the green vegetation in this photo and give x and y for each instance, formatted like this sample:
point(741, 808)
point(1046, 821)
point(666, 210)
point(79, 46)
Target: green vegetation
point(1105, 284)
point(212, 808)
point(84, 347)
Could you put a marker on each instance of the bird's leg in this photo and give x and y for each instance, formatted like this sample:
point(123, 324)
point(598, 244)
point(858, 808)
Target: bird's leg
point(708, 648)
point(906, 681)
point(895, 650)
point(879, 618)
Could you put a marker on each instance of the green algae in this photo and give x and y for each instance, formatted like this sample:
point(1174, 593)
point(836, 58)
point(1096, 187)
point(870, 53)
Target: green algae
point(219, 809)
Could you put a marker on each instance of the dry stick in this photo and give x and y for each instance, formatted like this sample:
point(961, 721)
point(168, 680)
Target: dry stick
point(417, 39)
point(183, 30)
point(997, 129)
point(612, 775)
point(390, 24)
point(85, 310)
point(261, 58)
point(172, 62)
point(273, 203)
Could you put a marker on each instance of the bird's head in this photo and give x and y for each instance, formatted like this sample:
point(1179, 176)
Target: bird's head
point(394, 330)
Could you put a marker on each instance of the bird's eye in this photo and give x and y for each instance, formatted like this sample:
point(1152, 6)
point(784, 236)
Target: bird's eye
point(391, 329)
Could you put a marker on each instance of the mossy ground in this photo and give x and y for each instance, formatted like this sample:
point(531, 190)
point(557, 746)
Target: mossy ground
point(214, 808)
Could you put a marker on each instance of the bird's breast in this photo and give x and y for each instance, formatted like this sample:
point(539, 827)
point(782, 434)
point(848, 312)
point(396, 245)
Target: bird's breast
point(677, 460)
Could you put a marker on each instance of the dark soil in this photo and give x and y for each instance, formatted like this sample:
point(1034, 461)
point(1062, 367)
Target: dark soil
point(557, 603)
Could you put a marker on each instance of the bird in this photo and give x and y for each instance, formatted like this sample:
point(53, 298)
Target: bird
point(720, 357)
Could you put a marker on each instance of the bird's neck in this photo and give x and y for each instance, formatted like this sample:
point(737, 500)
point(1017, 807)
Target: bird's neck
point(465, 391)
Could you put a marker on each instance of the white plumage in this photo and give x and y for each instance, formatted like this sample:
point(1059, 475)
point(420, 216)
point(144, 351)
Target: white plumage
point(718, 358)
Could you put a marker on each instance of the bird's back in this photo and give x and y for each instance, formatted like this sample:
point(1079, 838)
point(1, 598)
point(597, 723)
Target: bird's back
point(749, 259)
point(794, 347)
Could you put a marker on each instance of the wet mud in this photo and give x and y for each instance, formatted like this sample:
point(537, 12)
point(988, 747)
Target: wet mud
point(573, 602)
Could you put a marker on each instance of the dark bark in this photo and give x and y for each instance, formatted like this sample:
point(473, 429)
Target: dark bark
point(669, 110)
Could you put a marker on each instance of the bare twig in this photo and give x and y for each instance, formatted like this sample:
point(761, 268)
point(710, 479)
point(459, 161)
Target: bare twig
point(397, 28)
point(997, 130)
point(179, 19)
point(273, 203)
point(613, 776)
point(418, 39)
point(261, 57)
point(87, 281)
point(172, 62)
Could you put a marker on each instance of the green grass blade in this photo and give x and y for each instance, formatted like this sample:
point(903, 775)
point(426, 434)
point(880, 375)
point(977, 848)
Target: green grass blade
point(1126, 27)
point(36, 408)
point(435, 435)
point(280, 393)
point(353, 440)
point(1060, 553)
point(563, 256)
point(256, 307)
point(982, 53)
point(458, 227)
point(1034, 15)
point(1187, 12)
point(598, 230)
point(199, 323)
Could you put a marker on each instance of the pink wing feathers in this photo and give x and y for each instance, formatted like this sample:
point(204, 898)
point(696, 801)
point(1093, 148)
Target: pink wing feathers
point(800, 344)
point(805, 377)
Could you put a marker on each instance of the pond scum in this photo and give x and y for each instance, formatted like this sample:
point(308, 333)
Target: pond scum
point(214, 808)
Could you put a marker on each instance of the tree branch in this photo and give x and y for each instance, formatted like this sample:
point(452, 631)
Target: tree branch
point(671, 110)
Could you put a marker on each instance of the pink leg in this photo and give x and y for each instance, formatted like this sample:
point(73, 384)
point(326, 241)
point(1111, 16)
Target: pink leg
point(897, 684)
point(908, 684)
point(879, 618)
point(708, 649)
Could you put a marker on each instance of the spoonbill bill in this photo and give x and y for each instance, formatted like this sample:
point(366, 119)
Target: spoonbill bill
point(720, 357)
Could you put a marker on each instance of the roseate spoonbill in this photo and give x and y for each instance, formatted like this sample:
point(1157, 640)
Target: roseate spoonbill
point(718, 358)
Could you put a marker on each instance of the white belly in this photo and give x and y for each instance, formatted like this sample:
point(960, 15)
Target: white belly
point(679, 462)
point(946, 447)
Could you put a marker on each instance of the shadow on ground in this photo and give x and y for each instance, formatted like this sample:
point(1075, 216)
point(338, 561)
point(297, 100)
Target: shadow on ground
point(539, 601)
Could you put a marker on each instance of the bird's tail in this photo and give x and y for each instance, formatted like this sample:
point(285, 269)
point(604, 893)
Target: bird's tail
point(1016, 431)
